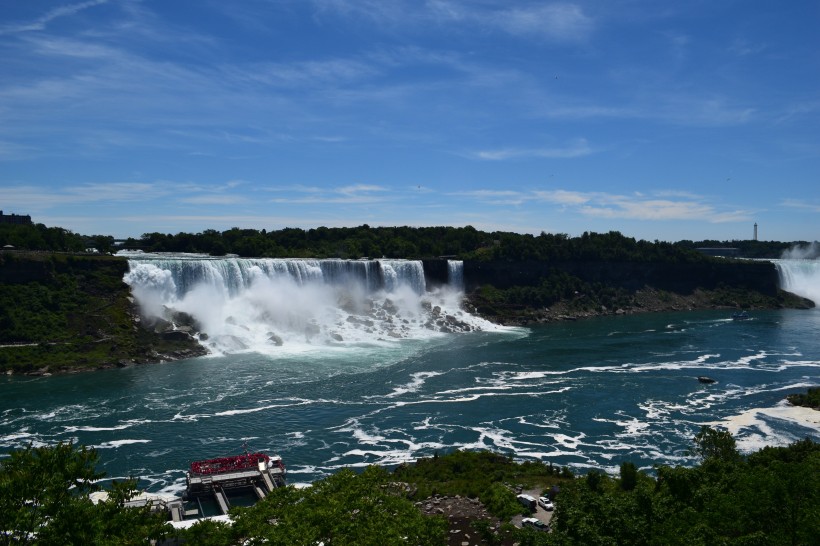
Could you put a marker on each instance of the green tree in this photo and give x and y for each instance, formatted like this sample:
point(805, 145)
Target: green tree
point(716, 445)
point(343, 509)
point(629, 476)
point(44, 500)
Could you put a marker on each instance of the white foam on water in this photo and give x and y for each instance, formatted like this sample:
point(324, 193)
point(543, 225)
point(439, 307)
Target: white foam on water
point(255, 410)
point(15, 438)
point(569, 442)
point(95, 429)
point(476, 389)
point(632, 427)
point(703, 358)
point(477, 396)
point(552, 419)
point(418, 380)
point(289, 403)
point(753, 430)
point(119, 443)
point(71, 412)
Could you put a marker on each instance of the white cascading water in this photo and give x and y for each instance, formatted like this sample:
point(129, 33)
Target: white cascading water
point(455, 274)
point(801, 277)
point(275, 305)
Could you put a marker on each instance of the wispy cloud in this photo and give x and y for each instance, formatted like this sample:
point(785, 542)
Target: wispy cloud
point(41, 22)
point(496, 197)
point(556, 21)
point(15, 151)
point(579, 148)
point(215, 200)
point(563, 197)
point(800, 204)
point(742, 47)
point(641, 207)
point(31, 197)
point(352, 194)
point(34, 198)
point(559, 21)
point(360, 189)
point(637, 206)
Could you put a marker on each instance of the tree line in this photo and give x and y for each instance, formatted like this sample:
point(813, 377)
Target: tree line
point(391, 242)
point(416, 243)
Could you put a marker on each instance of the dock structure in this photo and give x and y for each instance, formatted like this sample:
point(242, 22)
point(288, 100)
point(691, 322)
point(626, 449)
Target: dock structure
point(217, 478)
point(221, 499)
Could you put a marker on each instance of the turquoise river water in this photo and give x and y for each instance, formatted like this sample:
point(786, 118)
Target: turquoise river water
point(587, 394)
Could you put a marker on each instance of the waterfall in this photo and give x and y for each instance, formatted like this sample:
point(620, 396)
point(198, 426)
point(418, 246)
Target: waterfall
point(801, 277)
point(271, 305)
point(455, 274)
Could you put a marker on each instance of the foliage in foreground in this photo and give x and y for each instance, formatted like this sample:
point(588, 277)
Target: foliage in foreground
point(343, 509)
point(44, 500)
point(770, 497)
point(489, 477)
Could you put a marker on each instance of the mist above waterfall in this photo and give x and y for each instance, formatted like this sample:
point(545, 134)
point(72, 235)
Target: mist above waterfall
point(809, 251)
point(275, 305)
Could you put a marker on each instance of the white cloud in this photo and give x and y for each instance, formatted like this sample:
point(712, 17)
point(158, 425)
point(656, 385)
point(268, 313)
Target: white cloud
point(638, 207)
point(559, 21)
point(37, 198)
point(359, 188)
point(579, 148)
point(614, 206)
point(14, 150)
point(41, 22)
point(556, 21)
point(800, 204)
point(563, 197)
point(496, 197)
point(647, 209)
point(352, 194)
point(215, 200)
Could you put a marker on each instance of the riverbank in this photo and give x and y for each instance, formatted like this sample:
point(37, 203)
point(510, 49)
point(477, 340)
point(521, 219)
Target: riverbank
point(495, 307)
point(63, 313)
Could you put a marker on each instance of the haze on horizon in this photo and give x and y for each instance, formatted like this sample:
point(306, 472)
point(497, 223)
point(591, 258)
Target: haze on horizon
point(662, 121)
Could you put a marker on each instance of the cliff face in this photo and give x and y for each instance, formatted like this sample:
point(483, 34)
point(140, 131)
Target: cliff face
point(682, 278)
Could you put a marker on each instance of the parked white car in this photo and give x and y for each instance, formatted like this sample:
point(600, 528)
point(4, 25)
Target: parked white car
point(534, 523)
point(546, 504)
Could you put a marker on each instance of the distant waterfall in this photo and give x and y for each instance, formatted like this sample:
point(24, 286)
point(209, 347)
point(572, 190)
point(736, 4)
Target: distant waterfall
point(263, 305)
point(801, 277)
point(455, 274)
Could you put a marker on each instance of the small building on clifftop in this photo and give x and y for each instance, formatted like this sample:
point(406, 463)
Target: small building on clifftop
point(19, 219)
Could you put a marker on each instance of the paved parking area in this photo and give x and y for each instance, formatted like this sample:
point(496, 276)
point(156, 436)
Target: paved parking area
point(540, 514)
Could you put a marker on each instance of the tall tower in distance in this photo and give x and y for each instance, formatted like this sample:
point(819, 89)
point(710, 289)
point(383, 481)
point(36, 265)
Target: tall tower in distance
point(755, 231)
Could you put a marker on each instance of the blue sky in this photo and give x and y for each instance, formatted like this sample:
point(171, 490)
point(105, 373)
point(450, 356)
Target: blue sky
point(661, 120)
